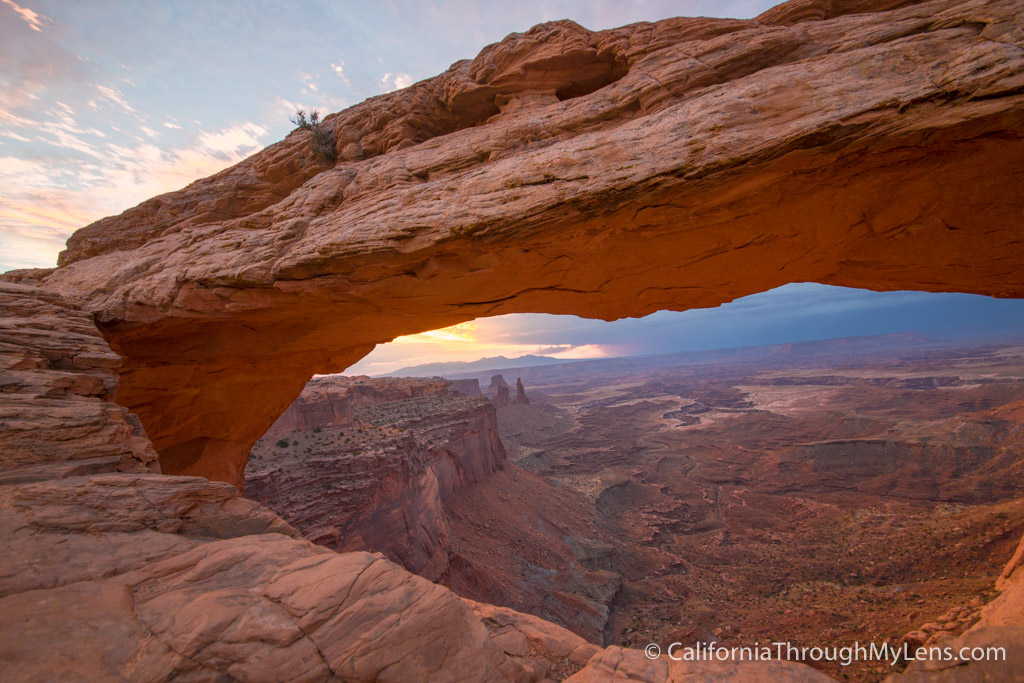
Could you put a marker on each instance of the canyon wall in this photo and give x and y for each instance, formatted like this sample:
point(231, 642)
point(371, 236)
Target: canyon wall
point(57, 384)
point(671, 165)
point(375, 466)
point(416, 470)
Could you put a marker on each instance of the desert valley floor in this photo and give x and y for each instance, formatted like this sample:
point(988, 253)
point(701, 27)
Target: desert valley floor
point(864, 489)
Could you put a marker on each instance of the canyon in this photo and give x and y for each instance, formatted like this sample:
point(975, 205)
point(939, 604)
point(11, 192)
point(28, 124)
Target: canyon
point(819, 493)
point(834, 491)
point(414, 468)
point(672, 165)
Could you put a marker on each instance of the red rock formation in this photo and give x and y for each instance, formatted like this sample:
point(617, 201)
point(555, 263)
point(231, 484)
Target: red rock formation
point(467, 387)
point(145, 589)
point(521, 393)
point(330, 401)
point(501, 397)
point(497, 381)
point(320, 404)
point(380, 481)
point(57, 384)
point(657, 166)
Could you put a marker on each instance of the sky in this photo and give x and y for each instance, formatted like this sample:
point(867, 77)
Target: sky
point(106, 103)
point(794, 312)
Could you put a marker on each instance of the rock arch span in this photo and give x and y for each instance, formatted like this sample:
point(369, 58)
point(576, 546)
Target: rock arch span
point(657, 166)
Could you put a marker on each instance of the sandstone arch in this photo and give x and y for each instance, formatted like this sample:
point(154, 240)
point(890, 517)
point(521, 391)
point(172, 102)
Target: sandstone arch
point(658, 166)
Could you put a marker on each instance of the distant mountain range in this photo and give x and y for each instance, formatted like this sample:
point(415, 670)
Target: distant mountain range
point(831, 351)
point(482, 365)
point(899, 344)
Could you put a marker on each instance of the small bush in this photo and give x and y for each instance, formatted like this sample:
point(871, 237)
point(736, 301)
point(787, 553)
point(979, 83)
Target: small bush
point(322, 144)
point(282, 443)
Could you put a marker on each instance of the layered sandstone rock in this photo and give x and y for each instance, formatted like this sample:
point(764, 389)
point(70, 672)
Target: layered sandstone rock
point(502, 397)
point(497, 382)
point(546, 650)
point(377, 476)
point(331, 400)
point(57, 384)
point(418, 472)
point(152, 594)
point(657, 166)
point(500, 392)
point(467, 387)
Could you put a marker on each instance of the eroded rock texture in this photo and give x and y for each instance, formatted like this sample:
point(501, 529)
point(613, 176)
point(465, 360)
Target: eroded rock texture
point(368, 464)
point(656, 166)
point(108, 575)
point(152, 594)
point(57, 384)
point(413, 469)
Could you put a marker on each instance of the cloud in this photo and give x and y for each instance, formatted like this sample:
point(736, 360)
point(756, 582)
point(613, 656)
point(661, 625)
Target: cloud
point(115, 96)
point(231, 142)
point(469, 341)
point(172, 126)
point(48, 197)
point(551, 350)
point(583, 351)
point(339, 69)
point(33, 62)
point(391, 82)
point(35, 21)
point(463, 333)
point(308, 81)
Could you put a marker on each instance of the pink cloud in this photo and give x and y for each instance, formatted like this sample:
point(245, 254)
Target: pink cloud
point(34, 20)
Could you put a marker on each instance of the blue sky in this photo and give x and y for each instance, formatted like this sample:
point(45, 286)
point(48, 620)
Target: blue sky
point(104, 104)
point(795, 312)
